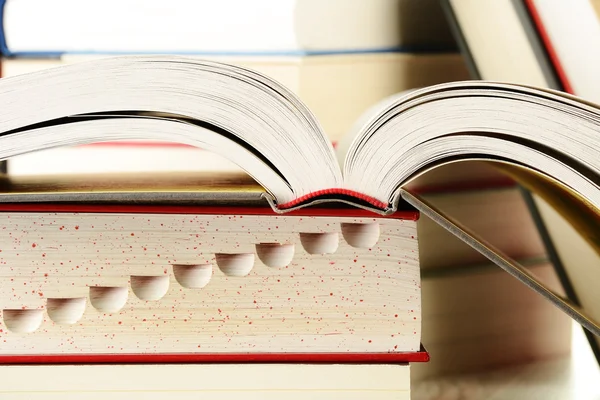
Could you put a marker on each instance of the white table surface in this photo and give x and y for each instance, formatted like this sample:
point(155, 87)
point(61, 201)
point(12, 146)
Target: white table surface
point(574, 377)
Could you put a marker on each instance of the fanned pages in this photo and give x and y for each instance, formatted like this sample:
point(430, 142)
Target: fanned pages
point(267, 131)
point(128, 281)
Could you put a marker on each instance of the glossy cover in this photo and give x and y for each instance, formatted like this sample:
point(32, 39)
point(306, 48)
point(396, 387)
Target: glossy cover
point(549, 47)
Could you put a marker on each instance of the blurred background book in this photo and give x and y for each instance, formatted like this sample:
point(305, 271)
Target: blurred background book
point(339, 57)
point(545, 44)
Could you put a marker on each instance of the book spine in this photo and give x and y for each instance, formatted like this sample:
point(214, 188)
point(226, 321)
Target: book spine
point(543, 57)
point(334, 192)
point(544, 42)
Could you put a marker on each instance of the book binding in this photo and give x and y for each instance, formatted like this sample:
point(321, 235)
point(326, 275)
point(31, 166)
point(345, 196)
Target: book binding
point(352, 199)
point(232, 358)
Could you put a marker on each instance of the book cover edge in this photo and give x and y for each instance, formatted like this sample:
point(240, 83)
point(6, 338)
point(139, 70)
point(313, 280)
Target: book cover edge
point(199, 209)
point(224, 358)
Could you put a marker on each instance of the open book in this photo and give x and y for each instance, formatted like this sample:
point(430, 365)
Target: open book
point(266, 130)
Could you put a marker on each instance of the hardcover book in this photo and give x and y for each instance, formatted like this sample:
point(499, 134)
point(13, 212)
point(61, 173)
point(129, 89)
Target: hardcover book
point(546, 139)
point(204, 281)
point(214, 381)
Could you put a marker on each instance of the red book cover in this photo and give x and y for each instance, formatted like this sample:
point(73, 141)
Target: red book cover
point(411, 215)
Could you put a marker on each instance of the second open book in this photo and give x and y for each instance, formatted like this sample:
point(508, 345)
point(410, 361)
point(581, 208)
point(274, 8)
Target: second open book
point(266, 130)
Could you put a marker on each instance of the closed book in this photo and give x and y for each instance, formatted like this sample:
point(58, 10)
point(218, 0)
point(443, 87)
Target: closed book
point(214, 381)
point(201, 283)
point(227, 27)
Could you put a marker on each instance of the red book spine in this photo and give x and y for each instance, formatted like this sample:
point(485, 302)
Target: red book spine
point(334, 191)
point(552, 54)
point(279, 358)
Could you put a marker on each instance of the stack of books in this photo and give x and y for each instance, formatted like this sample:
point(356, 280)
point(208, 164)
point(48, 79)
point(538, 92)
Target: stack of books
point(273, 295)
point(339, 60)
point(318, 264)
